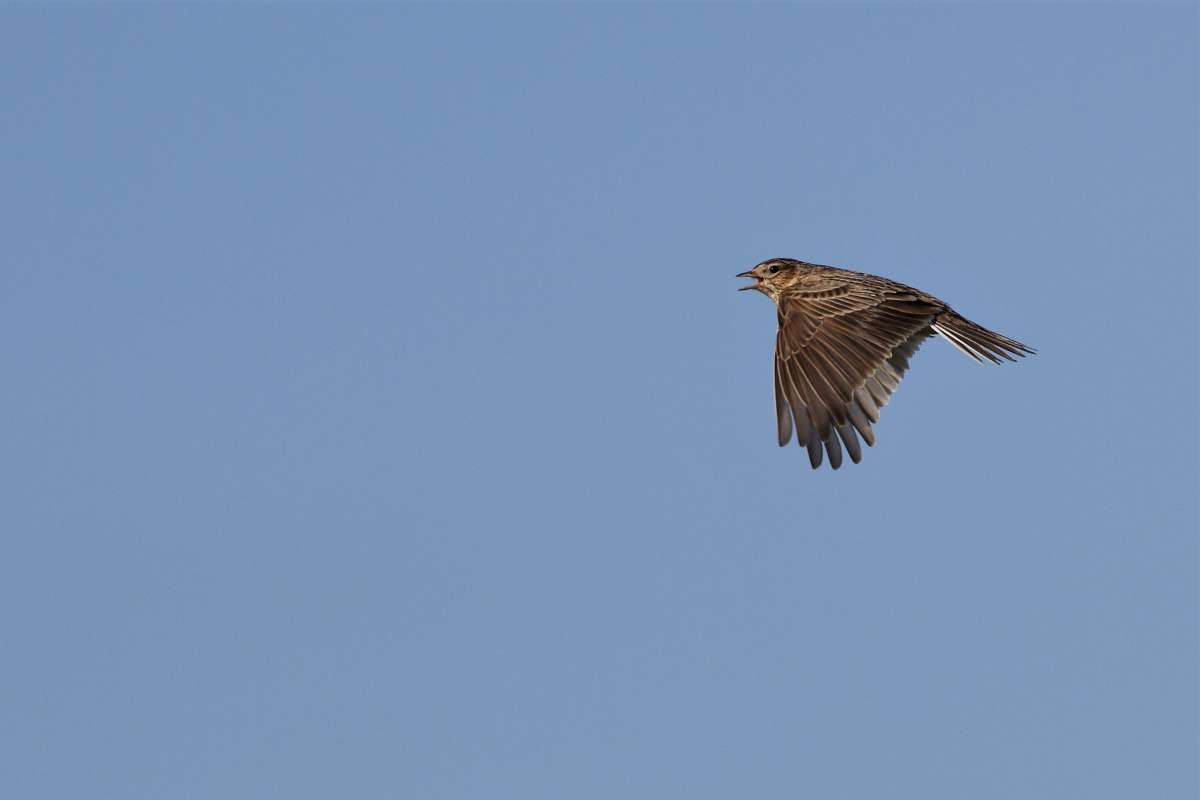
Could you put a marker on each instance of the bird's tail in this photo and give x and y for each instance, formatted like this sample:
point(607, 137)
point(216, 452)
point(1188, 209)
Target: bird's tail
point(977, 341)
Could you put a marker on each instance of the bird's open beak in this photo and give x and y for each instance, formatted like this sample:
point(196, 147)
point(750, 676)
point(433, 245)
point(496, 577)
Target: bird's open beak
point(757, 280)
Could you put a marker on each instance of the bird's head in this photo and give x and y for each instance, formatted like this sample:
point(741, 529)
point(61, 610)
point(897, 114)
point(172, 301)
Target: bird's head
point(772, 276)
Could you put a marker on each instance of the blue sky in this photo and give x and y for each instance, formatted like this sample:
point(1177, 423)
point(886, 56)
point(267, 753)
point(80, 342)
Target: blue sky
point(381, 419)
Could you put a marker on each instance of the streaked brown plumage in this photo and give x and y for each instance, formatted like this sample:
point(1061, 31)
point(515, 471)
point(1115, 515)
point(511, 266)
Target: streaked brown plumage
point(844, 342)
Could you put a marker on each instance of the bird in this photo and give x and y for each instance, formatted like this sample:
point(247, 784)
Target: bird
point(844, 342)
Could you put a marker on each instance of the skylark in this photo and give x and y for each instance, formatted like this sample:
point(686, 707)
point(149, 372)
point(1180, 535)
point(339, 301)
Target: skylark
point(843, 345)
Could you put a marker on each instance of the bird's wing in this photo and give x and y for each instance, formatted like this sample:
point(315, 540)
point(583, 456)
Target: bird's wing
point(843, 345)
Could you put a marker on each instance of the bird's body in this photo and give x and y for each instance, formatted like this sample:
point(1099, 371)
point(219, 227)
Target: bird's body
point(844, 342)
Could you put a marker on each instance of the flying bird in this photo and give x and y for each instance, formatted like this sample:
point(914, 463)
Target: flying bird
point(844, 342)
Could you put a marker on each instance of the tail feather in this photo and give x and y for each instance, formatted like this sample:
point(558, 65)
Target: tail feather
point(977, 341)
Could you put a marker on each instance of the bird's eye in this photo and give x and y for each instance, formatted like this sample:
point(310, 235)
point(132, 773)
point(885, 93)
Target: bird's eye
point(773, 269)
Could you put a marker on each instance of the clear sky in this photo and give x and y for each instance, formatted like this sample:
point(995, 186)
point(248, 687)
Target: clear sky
point(381, 420)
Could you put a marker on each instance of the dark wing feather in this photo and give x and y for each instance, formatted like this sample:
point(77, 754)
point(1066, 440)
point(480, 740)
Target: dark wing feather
point(783, 409)
point(844, 343)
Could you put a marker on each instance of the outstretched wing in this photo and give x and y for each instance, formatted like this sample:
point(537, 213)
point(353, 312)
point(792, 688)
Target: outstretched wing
point(843, 345)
